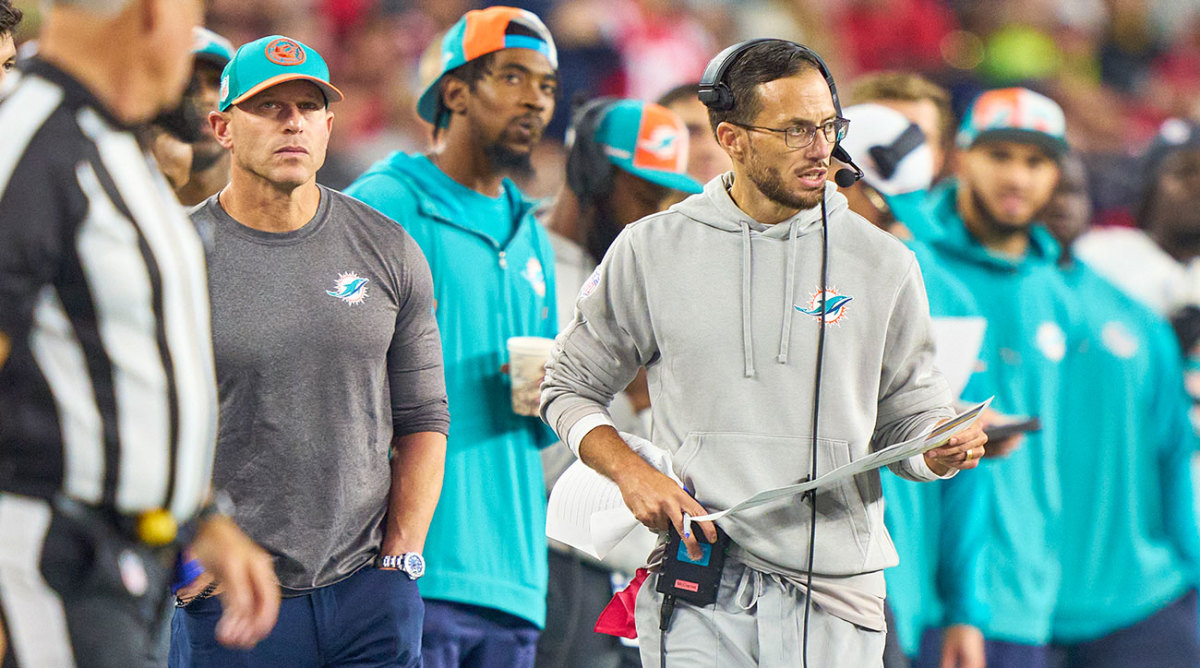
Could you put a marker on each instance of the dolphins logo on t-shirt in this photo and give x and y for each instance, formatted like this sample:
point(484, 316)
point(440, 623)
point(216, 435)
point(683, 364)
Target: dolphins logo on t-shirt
point(350, 288)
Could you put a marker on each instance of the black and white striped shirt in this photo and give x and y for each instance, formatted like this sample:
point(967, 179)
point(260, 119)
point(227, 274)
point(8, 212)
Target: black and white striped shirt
point(108, 395)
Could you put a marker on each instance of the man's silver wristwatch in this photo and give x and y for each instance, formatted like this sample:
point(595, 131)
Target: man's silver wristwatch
point(411, 564)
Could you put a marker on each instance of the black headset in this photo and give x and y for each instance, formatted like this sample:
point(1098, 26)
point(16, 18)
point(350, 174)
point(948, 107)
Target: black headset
point(589, 171)
point(716, 94)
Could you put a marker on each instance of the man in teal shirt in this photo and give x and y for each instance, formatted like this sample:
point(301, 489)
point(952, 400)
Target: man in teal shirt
point(936, 528)
point(492, 264)
point(1130, 548)
point(1009, 144)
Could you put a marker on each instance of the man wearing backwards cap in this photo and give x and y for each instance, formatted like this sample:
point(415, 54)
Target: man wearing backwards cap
point(1009, 145)
point(494, 274)
point(609, 185)
point(936, 528)
point(328, 365)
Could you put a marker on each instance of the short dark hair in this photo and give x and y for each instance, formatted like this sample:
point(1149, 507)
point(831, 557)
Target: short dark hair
point(9, 17)
point(687, 91)
point(471, 73)
point(760, 64)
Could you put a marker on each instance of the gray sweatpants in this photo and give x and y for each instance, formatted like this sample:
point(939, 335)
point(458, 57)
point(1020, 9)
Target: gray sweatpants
point(758, 620)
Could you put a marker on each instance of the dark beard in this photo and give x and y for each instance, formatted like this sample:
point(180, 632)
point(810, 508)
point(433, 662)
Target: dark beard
point(182, 123)
point(202, 160)
point(993, 224)
point(507, 161)
point(770, 183)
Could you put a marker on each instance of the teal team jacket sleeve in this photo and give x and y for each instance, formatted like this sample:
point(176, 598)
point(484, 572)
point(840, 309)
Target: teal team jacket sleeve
point(964, 515)
point(1177, 446)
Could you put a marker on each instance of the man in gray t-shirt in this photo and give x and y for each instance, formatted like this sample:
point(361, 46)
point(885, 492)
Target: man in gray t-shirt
point(329, 368)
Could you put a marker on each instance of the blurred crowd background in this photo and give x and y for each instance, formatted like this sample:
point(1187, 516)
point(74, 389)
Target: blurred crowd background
point(1118, 67)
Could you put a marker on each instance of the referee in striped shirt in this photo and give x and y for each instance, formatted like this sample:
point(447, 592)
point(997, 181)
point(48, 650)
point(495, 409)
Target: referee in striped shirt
point(107, 396)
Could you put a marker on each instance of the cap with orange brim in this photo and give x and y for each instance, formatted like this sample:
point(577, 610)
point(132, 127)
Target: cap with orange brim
point(268, 62)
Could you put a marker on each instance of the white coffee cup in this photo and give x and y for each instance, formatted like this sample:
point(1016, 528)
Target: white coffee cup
point(527, 357)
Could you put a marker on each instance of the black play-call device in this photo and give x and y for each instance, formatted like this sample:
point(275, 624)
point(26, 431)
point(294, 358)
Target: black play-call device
point(693, 581)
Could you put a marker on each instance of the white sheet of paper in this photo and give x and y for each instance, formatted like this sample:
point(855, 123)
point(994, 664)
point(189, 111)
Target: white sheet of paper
point(958, 343)
point(889, 455)
point(586, 510)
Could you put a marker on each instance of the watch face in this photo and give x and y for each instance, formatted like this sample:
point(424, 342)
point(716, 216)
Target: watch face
point(414, 565)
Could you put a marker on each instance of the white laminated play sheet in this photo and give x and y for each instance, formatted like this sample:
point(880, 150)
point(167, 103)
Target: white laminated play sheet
point(586, 510)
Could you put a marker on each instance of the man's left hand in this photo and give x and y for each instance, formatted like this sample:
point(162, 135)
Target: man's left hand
point(961, 453)
point(250, 601)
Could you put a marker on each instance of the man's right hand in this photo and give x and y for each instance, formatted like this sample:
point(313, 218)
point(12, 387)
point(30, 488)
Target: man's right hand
point(250, 596)
point(653, 498)
point(659, 502)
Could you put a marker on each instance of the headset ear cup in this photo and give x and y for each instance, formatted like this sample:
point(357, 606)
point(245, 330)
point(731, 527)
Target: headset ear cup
point(717, 97)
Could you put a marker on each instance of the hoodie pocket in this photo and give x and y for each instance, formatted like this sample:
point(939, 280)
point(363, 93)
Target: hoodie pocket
point(723, 468)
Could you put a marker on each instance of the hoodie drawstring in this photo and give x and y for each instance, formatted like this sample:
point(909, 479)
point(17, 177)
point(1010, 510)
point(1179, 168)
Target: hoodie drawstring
point(785, 337)
point(747, 348)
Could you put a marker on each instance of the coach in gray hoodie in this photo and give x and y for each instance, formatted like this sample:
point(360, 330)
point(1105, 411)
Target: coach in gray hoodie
point(720, 299)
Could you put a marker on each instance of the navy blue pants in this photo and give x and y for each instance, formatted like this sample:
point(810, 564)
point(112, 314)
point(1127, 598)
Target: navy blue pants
point(1000, 654)
point(370, 619)
point(1170, 638)
point(468, 636)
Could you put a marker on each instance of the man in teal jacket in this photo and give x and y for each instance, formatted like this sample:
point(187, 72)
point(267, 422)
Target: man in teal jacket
point(1130, 547)
point(936, 528)
point(1009, 144)
point(485, 591)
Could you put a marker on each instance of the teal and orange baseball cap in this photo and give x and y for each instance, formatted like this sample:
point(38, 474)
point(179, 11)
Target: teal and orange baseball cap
point(648, 141)
point(210, 47)
point(268, 62)
point(483, 31)
point(1015, 114)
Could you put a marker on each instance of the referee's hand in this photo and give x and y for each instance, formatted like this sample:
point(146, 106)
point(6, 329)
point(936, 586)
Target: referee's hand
point(250, 596)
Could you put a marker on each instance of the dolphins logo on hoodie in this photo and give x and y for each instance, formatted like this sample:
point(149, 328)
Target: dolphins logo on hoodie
point(350, 288)
point(835, 306)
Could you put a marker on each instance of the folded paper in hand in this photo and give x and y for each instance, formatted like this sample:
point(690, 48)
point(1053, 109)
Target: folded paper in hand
point(587, 512)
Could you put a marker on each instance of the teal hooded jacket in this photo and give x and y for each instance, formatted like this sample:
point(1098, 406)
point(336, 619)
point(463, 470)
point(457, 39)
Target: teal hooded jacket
point(938, 527)
point(487, 541)
point(1031, 327)
point(1129, 543)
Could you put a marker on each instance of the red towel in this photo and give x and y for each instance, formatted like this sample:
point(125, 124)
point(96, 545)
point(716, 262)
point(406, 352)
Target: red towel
point(617, 618)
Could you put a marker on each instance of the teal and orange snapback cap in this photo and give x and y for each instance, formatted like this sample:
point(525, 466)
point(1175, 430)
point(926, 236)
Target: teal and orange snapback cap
point(211, 47)
point(1015, 114)
point(268, 62)
point(648, 141)
point(483, 31)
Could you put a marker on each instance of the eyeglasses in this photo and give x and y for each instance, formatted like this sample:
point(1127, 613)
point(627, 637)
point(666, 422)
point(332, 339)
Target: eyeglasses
point(800, 136)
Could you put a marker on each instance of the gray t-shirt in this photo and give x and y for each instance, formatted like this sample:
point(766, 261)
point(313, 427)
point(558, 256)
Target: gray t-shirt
point(325, 346)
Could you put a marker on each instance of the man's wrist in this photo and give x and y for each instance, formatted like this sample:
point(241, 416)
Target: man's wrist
point(937, 468)
point(220, 504)
point(411, 564)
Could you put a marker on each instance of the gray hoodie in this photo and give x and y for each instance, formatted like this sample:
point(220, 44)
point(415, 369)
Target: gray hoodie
point(723, 312)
